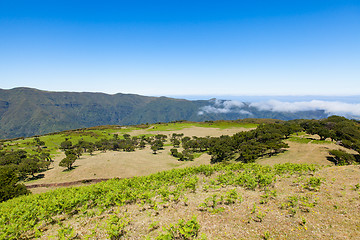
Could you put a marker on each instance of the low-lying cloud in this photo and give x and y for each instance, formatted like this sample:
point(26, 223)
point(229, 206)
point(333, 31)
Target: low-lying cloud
point(224, 107)
point(330, 107)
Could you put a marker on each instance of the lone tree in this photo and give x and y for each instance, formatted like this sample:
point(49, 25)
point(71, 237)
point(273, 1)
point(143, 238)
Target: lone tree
point(68, 161)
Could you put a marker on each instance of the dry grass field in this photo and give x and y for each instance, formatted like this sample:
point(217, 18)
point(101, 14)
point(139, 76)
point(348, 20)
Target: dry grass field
point(117, 164)
point(113, 164)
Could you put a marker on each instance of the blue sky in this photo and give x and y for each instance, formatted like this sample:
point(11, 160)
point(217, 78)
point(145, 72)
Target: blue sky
point(182, 47)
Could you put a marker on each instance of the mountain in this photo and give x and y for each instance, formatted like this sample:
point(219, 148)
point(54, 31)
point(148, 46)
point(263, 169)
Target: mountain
point(26, 111)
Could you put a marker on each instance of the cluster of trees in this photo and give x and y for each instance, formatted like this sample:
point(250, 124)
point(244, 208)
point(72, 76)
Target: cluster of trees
point(243, 146)
point(265, 140)
point(16, 166)
point(346, 132)
point(127, 144)
point(23, 163)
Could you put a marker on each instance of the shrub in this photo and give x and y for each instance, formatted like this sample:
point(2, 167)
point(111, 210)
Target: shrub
point(182, 230)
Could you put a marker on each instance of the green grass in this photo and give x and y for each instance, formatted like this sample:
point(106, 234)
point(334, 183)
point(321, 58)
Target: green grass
point(301, 137)
point(197, 155)
point(299, 140)
point(321, 141)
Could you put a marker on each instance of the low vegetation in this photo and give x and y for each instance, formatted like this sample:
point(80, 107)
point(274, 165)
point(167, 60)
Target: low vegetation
point(28, 216)
point(113, 209)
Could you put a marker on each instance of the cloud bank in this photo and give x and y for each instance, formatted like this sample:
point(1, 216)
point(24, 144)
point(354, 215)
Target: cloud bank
point(224, 107)
point(329, 107)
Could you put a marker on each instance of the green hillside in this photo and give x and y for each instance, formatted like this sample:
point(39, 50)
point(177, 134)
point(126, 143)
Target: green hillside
point(27, 112)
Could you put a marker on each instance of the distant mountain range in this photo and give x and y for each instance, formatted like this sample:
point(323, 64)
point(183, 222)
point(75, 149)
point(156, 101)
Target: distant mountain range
point(27, 112)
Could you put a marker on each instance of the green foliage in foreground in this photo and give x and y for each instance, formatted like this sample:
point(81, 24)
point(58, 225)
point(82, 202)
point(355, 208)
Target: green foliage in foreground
point(182, 230)
point(22, 217)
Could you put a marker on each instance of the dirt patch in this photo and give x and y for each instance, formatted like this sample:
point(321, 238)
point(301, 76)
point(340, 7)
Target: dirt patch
point(309, 153)
point(113, 164)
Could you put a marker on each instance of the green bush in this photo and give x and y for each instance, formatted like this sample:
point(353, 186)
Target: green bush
point(182, 230)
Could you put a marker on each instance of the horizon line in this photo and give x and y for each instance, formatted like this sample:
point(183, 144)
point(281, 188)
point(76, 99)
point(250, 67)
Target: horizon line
point(212, 95)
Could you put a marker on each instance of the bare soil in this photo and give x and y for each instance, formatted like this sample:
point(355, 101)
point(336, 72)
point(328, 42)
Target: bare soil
point(303, 153)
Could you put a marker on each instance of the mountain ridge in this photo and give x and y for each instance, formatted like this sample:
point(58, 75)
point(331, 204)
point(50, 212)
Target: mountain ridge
point(27, 111)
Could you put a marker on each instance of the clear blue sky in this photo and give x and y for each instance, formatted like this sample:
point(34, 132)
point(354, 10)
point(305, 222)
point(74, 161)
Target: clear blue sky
point(180, 47)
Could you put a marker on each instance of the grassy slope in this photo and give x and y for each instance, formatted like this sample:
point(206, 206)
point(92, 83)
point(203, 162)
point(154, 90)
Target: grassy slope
point(229, 201)
point(286, 208)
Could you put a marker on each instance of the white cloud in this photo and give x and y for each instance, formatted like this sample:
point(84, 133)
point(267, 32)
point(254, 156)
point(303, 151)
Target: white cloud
point(224, 107)
point(330, 107)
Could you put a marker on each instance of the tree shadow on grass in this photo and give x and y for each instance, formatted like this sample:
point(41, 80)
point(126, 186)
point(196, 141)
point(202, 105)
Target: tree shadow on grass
point(39, 176)
point(68, 170)
point(332, 159)
point(357, 158)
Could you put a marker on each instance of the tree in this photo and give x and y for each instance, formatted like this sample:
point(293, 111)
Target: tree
point(221, 150)
point(142, 144)
point(29, 166)
point(289, 128)
point(68, 161)
point(161, 137)
point(187, 156)
point(70, 152)
point(9, 187)
point(45, 156)
point(38, 142)
point(44, 165)
point(66, 144)
point(78, 151)
point(174, 152)
point(155, 148)
point(342, 158)
point(158, 143)
point(175, 142)
point(91, 149)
